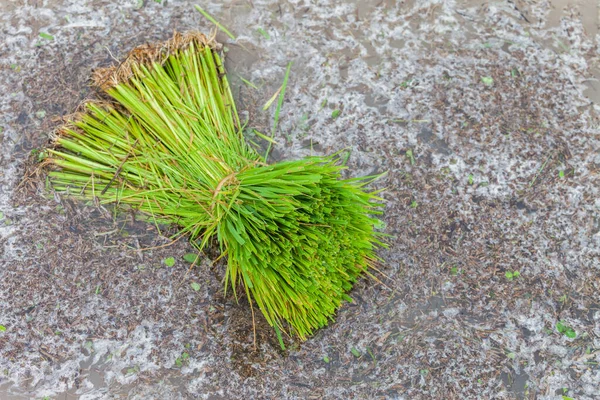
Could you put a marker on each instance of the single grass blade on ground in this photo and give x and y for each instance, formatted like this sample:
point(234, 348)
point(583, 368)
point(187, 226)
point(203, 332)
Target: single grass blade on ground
point(169, 143)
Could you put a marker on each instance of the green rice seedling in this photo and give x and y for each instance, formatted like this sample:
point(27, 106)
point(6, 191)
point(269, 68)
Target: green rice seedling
point(169, 143)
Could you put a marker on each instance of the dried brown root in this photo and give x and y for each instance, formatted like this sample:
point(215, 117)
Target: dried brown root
point(147, 55)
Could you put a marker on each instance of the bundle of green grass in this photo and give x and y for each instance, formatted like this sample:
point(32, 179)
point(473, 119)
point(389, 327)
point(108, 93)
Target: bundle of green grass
point(169, 143)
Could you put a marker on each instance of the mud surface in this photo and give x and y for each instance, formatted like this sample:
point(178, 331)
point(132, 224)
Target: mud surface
point(484, 114)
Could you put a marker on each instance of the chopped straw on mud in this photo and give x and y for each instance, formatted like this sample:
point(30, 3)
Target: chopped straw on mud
point(296, 235)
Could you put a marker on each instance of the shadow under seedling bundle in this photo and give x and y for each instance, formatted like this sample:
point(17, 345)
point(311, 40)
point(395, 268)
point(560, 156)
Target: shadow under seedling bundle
point(169, 143)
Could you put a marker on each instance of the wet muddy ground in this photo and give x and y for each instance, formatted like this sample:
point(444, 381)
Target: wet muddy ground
point(484, 114)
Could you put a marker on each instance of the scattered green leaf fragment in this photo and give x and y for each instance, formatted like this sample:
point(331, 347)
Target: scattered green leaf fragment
point(191, 257)
point(1, 215)
point(567, 398)
point(326, 359)
point(195, 286)
point(566, 330)
point(214, 21)
point(46, 36)
point(355, 352)
point(323, 103)
point(424, 372)
point(372, 355)
point(40, 114)
point(264, 33)
point(264, 137)
point(414, 204)
point(511, 355)
point(471, 179)
point(335, 114)
point(487, 80)
point(411, 157)
point(98, 289)
point(270, 102)
point(247, 82)
point(561, 173)
point(133, 370)
point(2, 328)
point(169, 261)
point(183, 358)
point(15, 67)
point(454, 271)
point(510, 275)
point(282, 89)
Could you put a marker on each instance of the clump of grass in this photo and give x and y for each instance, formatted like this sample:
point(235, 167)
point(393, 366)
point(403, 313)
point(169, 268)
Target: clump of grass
point(169, 143)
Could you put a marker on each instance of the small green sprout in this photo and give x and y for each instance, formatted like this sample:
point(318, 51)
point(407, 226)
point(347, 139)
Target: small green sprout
point(169, 261)
point(133, 370)
point(46, 36)
point(263, 33)
point(487, 80)
point(566, 330)
point(182, 359)
point(510, 275)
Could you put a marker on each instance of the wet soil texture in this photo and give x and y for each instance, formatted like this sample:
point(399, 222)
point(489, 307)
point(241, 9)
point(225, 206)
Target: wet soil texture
point(484, 115)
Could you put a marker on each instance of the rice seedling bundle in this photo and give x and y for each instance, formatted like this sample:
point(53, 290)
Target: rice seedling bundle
point(170, 144)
